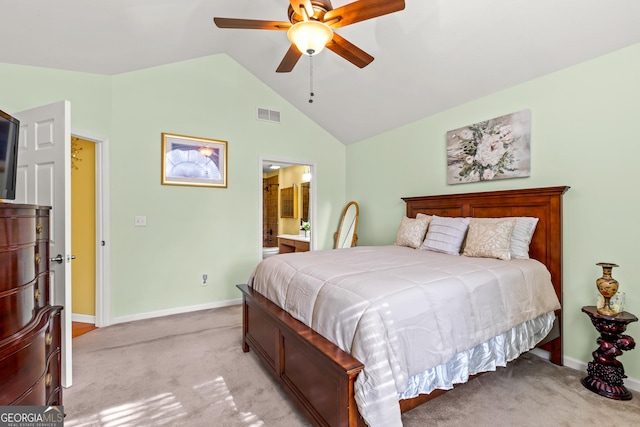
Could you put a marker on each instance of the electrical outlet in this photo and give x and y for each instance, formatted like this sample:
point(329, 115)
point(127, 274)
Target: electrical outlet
point(140, 221)
point(204, 279)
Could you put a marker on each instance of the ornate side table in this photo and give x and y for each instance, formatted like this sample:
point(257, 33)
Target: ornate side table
point(605, 373)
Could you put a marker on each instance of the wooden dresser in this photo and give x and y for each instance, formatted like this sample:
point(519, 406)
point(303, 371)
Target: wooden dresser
point(30, 331)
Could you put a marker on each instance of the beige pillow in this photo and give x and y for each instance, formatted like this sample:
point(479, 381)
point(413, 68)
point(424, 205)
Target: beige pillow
point(489, 238)
point(412, 230)
point(521, 236)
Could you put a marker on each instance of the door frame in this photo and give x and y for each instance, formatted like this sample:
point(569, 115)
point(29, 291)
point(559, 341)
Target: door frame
point(103, 230)
point(312, 193)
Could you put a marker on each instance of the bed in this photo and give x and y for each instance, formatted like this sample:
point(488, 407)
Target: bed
point(321, 378)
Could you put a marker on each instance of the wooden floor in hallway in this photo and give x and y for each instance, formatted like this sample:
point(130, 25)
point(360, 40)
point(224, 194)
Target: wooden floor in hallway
point(79, 328)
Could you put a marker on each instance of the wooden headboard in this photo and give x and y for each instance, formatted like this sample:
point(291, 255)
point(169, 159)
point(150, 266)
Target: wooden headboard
point(543, 203)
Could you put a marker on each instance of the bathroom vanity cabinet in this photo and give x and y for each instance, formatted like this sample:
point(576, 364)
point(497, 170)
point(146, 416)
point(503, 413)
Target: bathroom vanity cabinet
point(290, 243)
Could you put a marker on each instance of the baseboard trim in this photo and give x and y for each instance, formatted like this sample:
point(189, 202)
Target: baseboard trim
point(579, 365)
point(83, 318)
point(178, 310)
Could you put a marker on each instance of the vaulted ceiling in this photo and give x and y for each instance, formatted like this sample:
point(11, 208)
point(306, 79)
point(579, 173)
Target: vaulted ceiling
point(432, 56)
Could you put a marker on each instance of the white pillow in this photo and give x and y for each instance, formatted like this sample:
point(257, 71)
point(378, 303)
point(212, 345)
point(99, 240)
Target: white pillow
point(521, 236)
point(445, 235)
point(489, 238)
point(411, 231)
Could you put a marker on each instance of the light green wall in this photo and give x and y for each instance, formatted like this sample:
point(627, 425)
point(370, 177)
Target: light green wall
point(190, 231)
point(584, 133)
point(23, 87)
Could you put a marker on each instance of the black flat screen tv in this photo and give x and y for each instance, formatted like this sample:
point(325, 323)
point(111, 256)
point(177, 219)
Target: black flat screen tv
point(9, 134)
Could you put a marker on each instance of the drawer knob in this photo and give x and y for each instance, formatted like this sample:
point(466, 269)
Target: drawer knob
point(48, 380)
point(36, 294)
point(39, 228)
point(48, 338)
point(38, 259)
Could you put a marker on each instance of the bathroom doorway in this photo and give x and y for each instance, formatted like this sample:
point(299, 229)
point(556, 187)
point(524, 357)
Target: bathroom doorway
point(287, 205)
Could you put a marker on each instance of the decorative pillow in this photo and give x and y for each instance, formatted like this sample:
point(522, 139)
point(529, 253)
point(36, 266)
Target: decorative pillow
point(521, 236)
point(412, 231)
point(445, 235)
point(490, 238)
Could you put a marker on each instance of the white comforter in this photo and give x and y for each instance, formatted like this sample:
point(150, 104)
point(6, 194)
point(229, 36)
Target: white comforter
point(401, 311)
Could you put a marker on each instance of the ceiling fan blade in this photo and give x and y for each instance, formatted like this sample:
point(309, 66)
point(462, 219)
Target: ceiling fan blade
point(349, 51)
point(299, 5)
point(361, 11)
point(252, 24)
point(290, 59)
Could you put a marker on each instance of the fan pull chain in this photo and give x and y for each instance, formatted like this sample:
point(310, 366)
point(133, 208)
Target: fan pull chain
point(311, 94)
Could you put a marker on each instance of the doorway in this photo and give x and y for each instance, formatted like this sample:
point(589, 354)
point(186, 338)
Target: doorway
point(90, 213)
point(285, 186)
point(83, 232)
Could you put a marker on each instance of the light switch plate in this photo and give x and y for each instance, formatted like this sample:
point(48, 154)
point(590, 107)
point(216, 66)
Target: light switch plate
point(140, 221)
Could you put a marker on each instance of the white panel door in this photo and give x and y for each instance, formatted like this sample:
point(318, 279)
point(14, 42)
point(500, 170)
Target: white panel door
point(44, 178)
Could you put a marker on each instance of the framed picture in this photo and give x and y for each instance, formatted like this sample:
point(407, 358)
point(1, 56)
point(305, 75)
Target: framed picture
point(493, 149)
point(189, 160)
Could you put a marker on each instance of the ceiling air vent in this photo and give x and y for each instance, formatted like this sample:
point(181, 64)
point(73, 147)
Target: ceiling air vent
point(268, 115)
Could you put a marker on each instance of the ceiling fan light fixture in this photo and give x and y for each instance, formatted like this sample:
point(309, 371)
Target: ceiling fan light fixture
point(310, 37)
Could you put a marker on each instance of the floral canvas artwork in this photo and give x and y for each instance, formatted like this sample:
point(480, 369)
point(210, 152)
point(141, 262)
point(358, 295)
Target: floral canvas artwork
point(493, 149)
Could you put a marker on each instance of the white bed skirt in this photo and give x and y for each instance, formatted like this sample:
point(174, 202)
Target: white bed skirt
point(482, 358)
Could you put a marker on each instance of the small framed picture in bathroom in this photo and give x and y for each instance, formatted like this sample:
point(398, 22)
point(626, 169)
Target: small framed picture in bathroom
point(194, 161)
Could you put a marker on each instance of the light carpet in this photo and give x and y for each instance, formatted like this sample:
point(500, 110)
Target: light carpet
point(189, 370)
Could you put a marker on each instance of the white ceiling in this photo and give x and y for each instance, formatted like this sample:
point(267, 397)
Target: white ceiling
point(432, 56)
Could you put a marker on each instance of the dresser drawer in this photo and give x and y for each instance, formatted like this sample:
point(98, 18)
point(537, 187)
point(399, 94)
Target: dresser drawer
point(52, 333)
point(42, 228)
point(52, 385)
point(17, 309)
point(41, 257)
point(18, 267)
point(18, 230)
point(52, 340)
point(41, 291)
point(34, 386)
point(23, 362)
point(34, 396)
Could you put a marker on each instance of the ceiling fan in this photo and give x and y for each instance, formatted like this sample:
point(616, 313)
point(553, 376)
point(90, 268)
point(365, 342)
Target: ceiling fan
point(311, 24)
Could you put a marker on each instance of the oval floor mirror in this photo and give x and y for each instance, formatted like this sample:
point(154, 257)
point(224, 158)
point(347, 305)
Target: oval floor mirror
point(347, 235)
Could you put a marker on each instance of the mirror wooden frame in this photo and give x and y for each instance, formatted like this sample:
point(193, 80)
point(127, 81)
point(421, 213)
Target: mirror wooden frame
point(337, 235)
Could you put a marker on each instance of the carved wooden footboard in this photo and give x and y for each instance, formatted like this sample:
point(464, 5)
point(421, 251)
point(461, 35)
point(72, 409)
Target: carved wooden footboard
point(320, 377)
